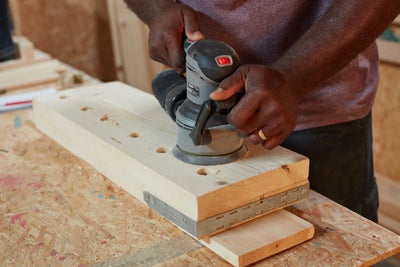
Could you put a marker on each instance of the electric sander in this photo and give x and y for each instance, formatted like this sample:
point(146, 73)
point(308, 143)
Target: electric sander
point(203, 135)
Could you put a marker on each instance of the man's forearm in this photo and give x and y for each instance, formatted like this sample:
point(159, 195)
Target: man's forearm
point(342, 33)
point(148, 10)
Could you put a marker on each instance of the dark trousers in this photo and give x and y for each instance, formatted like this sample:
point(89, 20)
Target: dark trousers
point(341, 163)
point(7, 50)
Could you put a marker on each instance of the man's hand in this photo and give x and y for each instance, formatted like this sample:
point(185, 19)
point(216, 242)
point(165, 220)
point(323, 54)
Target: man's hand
point(168, 22)
point(166, 35)
point(269, 104)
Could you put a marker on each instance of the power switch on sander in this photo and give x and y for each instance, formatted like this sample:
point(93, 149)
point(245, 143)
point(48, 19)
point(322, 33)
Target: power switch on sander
point(203, 135)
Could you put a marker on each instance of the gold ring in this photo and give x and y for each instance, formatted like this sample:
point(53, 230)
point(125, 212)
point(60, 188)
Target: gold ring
point(261, 135)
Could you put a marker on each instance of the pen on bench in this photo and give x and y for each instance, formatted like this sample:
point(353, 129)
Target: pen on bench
point(22, 100)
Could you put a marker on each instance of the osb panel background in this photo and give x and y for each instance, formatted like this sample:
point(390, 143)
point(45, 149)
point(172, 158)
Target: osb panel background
point(386, 122)
point(73, 31)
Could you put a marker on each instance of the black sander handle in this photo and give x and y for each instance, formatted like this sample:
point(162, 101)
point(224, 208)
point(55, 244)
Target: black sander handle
point(200, 135)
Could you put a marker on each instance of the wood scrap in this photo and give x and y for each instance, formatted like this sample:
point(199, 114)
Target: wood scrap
point(260, 238)
point(30, 75)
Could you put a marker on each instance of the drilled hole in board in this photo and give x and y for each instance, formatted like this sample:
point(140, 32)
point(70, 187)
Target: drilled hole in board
point(208, 171)
point(161, 150)
point(85, 108)
point(202, 171)
point(134, 134)
point(104, 117)
point(108, 118)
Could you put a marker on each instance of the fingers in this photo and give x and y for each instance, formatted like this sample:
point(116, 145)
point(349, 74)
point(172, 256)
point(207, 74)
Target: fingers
point(267, 105)
point(166, 36)
point(165, 46)
point(267, 138)
point(230, 85)
point(192, 29)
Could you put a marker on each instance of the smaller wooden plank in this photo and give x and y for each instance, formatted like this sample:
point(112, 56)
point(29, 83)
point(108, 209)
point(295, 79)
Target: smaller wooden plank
point(34, 74)
point(260, 238)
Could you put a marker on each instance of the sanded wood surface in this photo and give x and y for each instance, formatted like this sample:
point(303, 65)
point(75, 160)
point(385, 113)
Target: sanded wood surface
point(58, 210)
point(121, 131)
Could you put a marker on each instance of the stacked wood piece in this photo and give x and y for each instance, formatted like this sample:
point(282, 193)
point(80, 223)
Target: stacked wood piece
point(31, 67)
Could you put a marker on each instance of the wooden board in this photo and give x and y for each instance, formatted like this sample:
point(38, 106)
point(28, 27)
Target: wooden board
point(126, 135)
point(34, 74)
point(260, 238)
point(119, 130)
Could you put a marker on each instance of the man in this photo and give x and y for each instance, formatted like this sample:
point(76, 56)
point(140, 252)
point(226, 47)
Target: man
point(310, 73)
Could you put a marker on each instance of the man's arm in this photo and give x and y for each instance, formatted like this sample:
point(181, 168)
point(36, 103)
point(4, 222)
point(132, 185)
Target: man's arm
point(347, 28)
point(148, 10)
point(273, 92)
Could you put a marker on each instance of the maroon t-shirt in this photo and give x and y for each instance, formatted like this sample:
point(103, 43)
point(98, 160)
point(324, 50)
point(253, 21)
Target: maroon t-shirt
point(262, 30)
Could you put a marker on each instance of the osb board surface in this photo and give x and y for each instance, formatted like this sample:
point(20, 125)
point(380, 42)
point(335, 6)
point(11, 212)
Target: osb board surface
point(50, 202)
point(386, 122)
point(57, 210)
point(76, 32)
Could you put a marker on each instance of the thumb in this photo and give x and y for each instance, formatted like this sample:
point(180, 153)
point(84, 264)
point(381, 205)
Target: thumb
point(230, 85)
point(192, 29)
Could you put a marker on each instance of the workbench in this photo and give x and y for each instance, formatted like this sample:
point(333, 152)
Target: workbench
point(59, 211)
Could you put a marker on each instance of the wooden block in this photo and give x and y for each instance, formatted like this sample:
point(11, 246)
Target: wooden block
point(260, 238)
point(26, 54)
point(33, 74)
